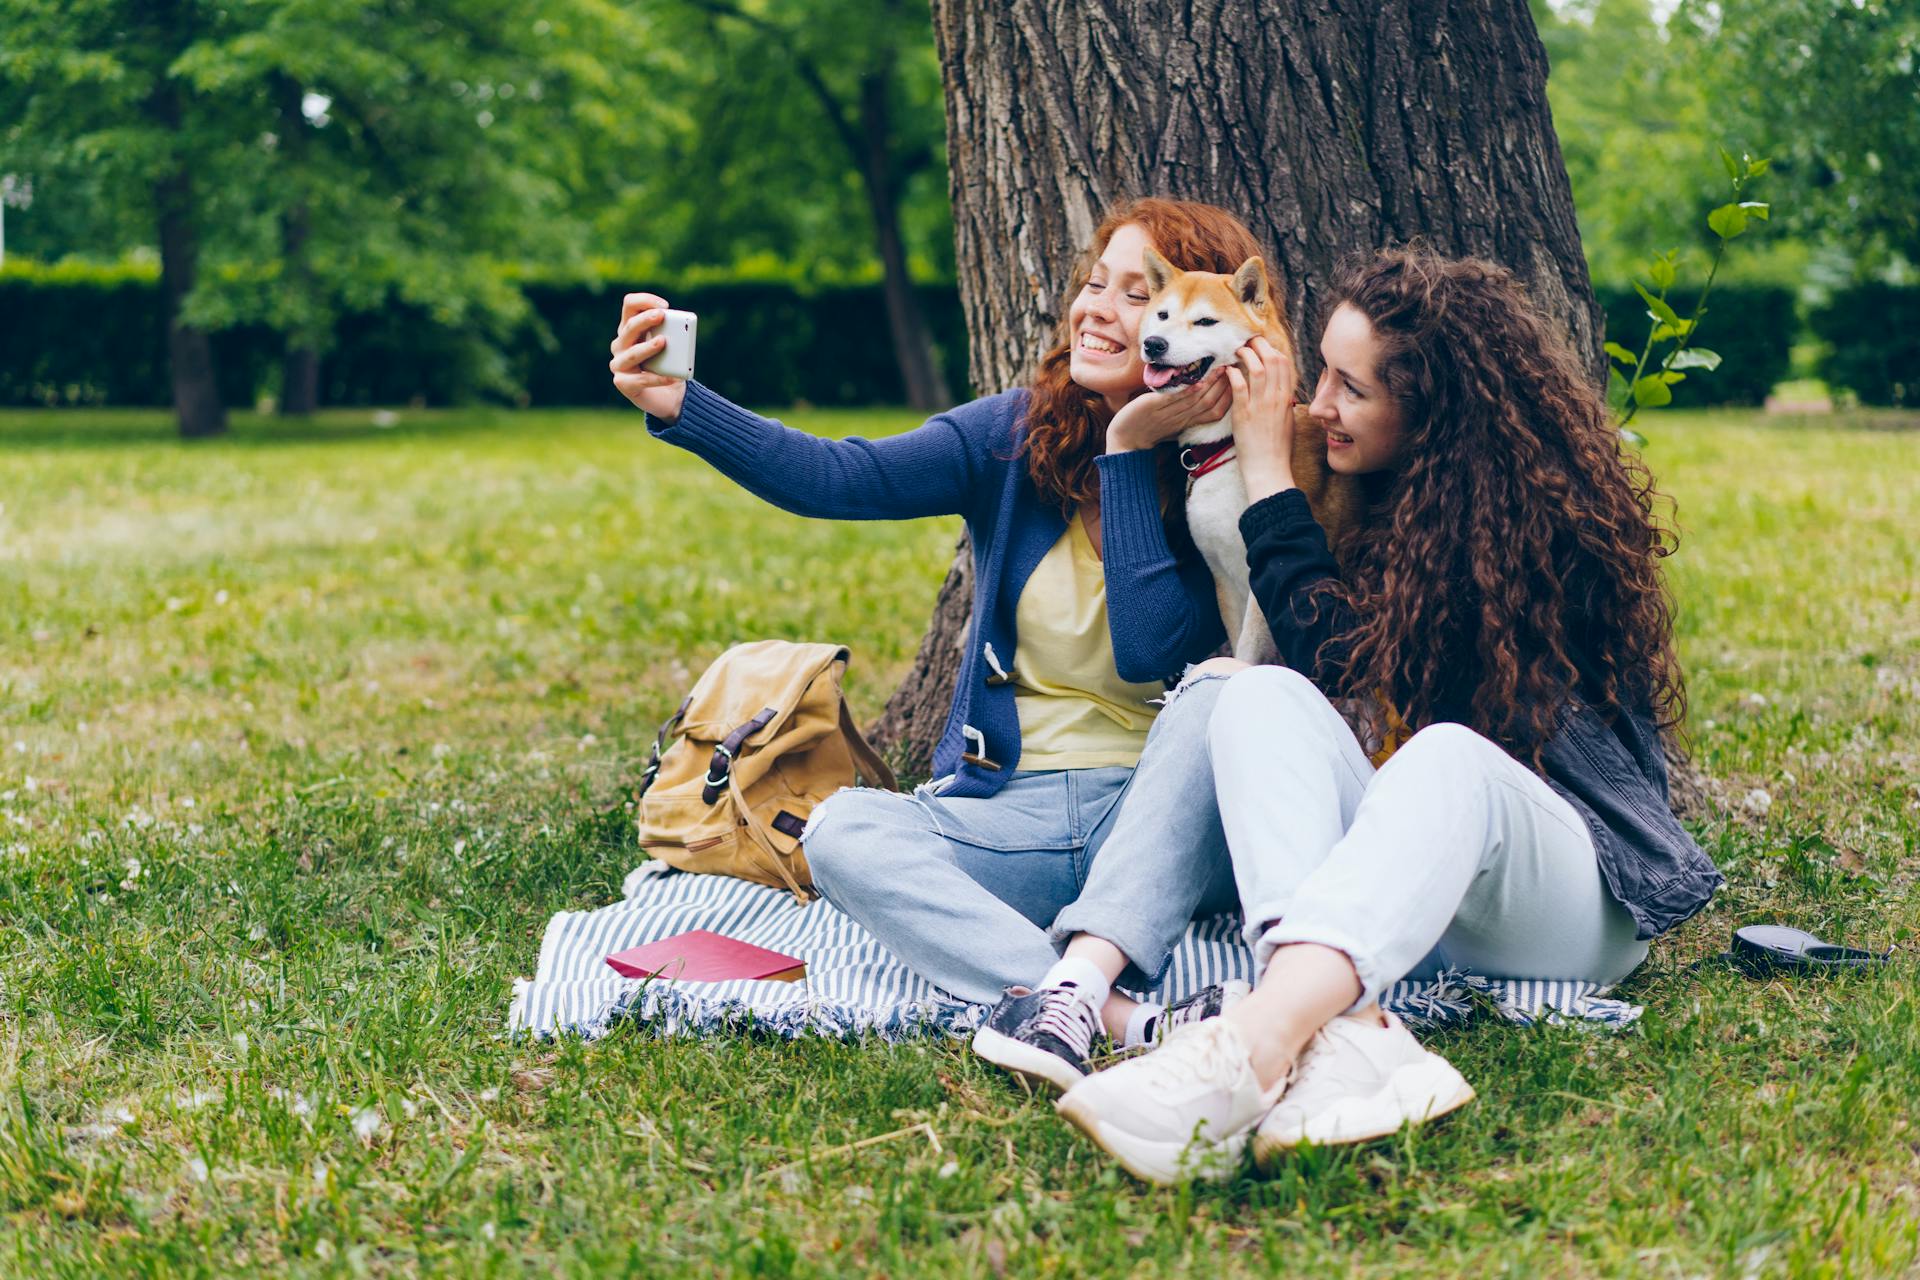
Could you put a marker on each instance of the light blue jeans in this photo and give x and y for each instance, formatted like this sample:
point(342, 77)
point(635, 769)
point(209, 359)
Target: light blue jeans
point(1452, 854)
point(980, 894)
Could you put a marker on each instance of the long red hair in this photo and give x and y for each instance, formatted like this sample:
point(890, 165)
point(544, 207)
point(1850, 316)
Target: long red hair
point(1066, 425)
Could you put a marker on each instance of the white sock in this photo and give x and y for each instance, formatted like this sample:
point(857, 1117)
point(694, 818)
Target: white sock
point(1083, 976)
point(1140, 1025)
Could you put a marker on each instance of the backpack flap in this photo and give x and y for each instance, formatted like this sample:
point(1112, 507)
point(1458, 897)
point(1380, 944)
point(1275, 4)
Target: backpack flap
point(749, 678)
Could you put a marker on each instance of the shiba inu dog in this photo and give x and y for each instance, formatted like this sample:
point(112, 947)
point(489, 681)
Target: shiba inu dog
point(1195, 320)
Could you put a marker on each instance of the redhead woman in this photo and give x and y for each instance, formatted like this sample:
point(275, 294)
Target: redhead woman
point(991, 881)
point(1506, 601)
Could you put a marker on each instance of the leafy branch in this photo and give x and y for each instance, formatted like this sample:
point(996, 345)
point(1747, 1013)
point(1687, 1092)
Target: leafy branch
point(1631, 385)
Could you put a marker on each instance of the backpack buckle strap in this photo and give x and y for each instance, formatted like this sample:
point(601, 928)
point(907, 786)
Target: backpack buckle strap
point(722, 766)
point(660, 744)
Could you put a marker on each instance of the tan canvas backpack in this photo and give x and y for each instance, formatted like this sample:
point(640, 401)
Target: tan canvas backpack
point(735, 773)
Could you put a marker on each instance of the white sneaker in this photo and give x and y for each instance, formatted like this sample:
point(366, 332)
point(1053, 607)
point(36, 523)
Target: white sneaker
point(1358, 1080)
point(1183, 1111)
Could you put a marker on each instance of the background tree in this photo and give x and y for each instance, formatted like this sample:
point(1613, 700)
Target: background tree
point(1335, 129)
point(88, 86)
point(813, 134)
point(296, 159)
point(1831, 89)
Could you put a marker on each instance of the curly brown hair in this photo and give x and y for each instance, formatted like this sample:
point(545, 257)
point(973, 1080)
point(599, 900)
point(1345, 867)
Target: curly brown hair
point(1513, 563)
point(1066, 425)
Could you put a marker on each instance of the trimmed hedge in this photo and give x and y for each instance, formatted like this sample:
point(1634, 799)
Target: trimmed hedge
point(1751, 326)
point(97, 336)
point(1873, 336)
point(769, 344)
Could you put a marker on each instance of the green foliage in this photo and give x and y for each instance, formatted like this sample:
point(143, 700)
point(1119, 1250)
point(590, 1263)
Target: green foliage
point(1752, 328)
point(1642, 381)
point(748, 151)
point(672, 134)
point(1872, 338)
point(405, 676)
point(1832, 89)
point(407, 146)
point(1632, 124)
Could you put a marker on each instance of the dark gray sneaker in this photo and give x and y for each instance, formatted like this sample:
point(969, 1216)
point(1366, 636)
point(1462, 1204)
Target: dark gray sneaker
point(1208, 1002)
point(1045, 1036)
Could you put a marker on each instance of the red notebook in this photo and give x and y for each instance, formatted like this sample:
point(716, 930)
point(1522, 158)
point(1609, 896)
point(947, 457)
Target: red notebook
point(701, 956)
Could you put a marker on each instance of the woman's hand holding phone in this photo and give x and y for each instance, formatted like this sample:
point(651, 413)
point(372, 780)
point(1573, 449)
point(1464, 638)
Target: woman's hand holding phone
point(637, 341)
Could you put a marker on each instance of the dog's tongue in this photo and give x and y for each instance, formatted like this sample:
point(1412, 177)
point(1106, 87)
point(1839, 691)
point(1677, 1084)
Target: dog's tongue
point(1159, 375)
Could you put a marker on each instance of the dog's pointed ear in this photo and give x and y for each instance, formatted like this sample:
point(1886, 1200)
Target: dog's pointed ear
point(1158, 271)
point(1250, 284)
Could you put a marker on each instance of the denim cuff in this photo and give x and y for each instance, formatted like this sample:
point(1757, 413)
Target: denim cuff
point(1285, 933)
point(1147, 957)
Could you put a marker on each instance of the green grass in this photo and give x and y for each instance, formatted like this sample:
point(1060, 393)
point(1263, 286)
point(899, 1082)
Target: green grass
point(304, 734)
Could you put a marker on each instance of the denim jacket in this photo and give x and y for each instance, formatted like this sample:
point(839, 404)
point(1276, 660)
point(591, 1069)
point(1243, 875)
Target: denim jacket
point(1614, 774)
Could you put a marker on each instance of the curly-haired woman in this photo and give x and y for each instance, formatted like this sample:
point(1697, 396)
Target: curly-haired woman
point(1506, 601)
point(1081, 612)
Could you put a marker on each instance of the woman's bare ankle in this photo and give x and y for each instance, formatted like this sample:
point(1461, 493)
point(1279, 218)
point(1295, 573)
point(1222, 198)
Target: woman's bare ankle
point(1370, 1013)
point(1304, 986)
point(1272, 1042)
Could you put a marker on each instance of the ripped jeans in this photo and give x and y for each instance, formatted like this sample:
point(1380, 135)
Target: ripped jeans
point(980, 894)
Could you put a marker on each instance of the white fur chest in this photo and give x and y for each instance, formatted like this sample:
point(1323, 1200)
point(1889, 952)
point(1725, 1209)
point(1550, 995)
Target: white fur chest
point(1215, 501)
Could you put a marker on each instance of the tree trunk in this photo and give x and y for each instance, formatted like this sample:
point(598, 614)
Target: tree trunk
point(196, 391)
point(300, 364)
point(299, 380)
point(906, 323)
point(909, 727)
point(1333, 128)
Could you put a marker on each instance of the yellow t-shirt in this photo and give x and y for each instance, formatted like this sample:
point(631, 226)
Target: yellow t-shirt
point(1075, 710)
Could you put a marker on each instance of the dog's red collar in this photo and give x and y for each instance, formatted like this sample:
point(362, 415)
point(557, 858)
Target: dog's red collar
point(1198, 459)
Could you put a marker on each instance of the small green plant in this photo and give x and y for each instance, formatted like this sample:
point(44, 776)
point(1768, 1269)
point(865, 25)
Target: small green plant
point(1631, 384)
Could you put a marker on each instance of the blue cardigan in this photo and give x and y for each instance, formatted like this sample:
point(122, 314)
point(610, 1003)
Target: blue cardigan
point(1161, 610)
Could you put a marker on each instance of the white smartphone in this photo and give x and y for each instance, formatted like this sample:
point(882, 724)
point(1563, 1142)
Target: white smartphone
point(676, 358)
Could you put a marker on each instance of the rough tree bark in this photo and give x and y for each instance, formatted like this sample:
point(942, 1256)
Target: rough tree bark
point(1333, 128)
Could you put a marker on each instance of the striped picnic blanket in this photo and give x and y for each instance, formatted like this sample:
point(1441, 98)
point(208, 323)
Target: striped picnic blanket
point(854, 986)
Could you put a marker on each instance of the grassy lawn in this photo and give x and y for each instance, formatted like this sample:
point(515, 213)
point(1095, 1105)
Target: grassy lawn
point(303, 735)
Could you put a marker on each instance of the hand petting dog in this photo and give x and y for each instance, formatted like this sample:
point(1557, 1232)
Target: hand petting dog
point(1263, 380)
point(1145, 421)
